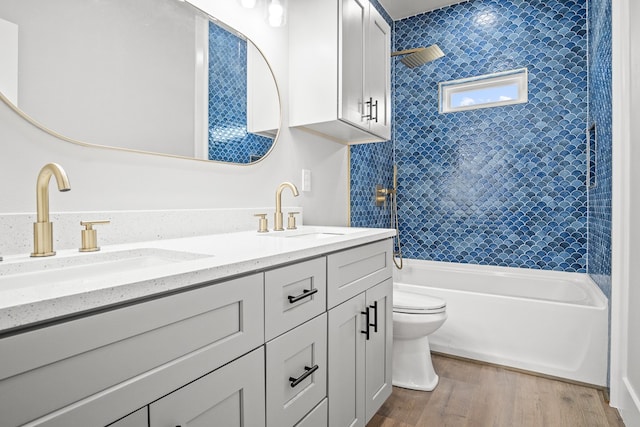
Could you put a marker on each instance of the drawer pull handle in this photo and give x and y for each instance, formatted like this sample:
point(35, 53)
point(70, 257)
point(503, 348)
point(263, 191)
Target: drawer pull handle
point(308, 371)
point(305, 293)
point(375, 316)
point(366, 322)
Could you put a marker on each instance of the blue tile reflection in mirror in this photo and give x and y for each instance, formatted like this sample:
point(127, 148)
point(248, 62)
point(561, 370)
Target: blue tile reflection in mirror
point(228, 136)
point(592, 145)
point(491, 90)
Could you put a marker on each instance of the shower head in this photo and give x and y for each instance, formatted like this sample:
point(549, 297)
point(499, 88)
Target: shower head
point(419, 56)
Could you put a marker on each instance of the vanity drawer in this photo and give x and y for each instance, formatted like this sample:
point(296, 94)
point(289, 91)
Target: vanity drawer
point(317, 418)
point(291, 393)
point(61, 364)
point(293, 295)
point(231, 396)
point(355, 270)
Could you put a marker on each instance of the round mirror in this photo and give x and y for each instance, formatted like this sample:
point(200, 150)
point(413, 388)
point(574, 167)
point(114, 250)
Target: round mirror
point(157, 76)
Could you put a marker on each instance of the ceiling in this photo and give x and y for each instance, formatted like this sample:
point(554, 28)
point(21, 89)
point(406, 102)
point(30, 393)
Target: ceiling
point(399, 9)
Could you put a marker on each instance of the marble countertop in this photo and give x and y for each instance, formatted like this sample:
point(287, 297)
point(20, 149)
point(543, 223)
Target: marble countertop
point(25, 300)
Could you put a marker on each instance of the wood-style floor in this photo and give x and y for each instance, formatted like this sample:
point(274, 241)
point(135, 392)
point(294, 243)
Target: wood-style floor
point(480, 395)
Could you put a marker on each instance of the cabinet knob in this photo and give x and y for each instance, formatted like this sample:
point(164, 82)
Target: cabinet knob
point(291, 222)
point(90, 236)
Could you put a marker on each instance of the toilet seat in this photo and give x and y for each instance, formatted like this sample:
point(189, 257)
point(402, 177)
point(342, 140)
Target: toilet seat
point(413, 303)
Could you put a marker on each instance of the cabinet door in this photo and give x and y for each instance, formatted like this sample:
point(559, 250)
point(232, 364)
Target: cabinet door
point(234, 395)
point(354, 22)
point(142, 352)
point(378, 347)
point(378, 74)
point(347, 364)
point(317, 417)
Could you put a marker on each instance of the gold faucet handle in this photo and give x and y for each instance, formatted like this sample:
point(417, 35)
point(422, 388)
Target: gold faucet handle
point(291, 221)
point(262, 225)
point(90, 235)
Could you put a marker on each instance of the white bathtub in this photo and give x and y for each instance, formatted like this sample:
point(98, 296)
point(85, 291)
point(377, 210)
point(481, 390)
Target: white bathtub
point(549, 322)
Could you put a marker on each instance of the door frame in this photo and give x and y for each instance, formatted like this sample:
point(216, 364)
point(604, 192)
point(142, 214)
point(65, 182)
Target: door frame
point(623, 395)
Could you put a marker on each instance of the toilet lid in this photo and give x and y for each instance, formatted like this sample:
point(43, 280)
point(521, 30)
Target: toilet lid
point(410, 302)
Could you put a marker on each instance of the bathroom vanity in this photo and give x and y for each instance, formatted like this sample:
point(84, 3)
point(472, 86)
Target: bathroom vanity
point(252, 329)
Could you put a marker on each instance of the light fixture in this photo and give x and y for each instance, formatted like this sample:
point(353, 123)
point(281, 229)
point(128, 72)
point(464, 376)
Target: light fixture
point(276, 13)
point(248, 4)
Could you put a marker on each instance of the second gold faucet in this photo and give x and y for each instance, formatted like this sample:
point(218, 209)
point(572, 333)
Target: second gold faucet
point(278, 219)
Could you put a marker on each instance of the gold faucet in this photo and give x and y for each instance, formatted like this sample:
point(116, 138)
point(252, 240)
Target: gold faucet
point(278, 215)
point(43, 229)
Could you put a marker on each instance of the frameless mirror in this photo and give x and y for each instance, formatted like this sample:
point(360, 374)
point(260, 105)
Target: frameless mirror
point(156, 76)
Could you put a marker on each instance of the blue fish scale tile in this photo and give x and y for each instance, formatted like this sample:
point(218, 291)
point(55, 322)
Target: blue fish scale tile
point(371, 165)
point(599, 255)
point(499, 186)
point(229, 140)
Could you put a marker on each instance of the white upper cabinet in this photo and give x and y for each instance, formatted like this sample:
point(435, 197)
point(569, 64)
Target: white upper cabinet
point(378, 75)
point(340, 75)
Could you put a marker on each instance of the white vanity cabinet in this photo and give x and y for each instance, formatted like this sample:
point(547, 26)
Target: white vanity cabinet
point(360, 333)
point(340, 70)
point(288, 346)
point(96, 369)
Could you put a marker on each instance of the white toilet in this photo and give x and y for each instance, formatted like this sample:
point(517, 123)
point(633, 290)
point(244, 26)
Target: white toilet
point(415, 316)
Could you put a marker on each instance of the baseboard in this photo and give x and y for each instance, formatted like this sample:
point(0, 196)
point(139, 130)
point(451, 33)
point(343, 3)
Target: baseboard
point(630, 407)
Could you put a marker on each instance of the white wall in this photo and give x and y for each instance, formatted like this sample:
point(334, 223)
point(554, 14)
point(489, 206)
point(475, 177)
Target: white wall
point(625, 321)
point(91, 69)
point(104, 179)
point(9, 63)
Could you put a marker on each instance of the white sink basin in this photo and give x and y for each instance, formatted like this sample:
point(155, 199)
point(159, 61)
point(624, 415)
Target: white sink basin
point(310, 233)
point(313, 236)
point(80, 268)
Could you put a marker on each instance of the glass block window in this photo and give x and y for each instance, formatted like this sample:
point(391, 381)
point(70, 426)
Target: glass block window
point(490, 90)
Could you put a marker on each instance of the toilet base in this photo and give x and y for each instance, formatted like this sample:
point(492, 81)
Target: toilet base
point(412, 366)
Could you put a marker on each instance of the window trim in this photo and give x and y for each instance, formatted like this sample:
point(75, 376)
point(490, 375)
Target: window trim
point(448, 89)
